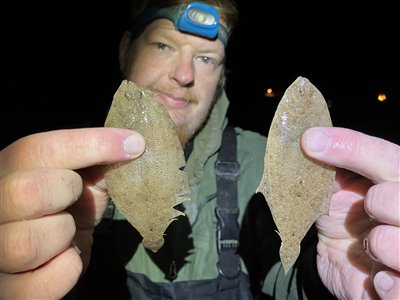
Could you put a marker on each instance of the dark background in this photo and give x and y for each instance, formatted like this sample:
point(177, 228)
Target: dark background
point(60, 66)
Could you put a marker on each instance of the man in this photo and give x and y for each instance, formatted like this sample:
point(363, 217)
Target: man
point(53, 193)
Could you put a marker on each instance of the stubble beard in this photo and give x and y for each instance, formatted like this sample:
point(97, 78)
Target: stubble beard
point(184, 134)
point(187, 134)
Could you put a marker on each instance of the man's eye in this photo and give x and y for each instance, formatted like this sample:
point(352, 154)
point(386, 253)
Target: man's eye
point(161, 46)
point(206, 60)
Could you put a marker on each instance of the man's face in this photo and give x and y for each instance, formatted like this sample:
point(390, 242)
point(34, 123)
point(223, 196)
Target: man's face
point(185, 70)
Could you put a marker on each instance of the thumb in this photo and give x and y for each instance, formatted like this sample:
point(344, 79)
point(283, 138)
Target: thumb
point(371, 157)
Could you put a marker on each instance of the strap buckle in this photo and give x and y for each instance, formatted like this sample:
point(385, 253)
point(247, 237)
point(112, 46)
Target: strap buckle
point(227, 220)
point(226, 169)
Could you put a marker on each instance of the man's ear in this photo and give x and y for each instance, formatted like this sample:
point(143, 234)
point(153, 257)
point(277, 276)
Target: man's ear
point(124, 51)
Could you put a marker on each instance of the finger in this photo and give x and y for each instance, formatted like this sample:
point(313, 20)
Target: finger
point(348, 180)
point(366, 155)
point(29, 194)
point(52, 280)
point(28, 244)
point(383, 245)
point(387, 285)
point(71, 149)
point(382, 203)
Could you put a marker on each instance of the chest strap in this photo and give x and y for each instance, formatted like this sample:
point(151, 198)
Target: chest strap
point(227, 211)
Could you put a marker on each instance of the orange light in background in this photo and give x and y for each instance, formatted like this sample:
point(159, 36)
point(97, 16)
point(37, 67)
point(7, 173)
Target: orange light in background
point(270, 93)
point(382, 97)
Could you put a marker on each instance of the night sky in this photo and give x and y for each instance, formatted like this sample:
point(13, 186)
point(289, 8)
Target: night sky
point(60, 66)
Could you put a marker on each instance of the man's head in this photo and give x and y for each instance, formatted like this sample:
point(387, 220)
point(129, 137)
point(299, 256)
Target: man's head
point(183, 65)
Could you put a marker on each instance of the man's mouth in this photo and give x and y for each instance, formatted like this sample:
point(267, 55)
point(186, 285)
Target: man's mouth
point(171, 101)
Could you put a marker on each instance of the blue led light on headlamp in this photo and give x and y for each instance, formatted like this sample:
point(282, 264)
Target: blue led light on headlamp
point(196, 18)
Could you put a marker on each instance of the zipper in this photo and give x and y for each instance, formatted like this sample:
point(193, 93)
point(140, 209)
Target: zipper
point(172, 274)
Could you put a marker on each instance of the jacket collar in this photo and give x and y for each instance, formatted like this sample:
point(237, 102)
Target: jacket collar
point(208, 140)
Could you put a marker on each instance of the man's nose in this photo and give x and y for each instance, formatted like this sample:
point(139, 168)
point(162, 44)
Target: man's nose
point(183, 71)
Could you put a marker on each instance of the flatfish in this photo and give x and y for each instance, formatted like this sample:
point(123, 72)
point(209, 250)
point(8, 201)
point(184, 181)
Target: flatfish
point(297, 188)
point(146, 190)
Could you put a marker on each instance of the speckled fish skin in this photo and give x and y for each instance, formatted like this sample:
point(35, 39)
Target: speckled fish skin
point(296, 188)
point(147, 189)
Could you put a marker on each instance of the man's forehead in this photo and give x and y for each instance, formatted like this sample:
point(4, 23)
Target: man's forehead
point(166, 29)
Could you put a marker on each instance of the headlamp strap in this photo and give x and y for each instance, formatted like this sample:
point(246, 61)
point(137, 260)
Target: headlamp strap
point(196, 18)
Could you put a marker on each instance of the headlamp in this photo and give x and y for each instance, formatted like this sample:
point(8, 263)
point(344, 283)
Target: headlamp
point(196, 18)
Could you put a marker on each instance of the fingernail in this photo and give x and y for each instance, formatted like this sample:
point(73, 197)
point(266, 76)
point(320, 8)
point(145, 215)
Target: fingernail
point(132, 145)
point(317, 140)
point(367, 250)
point(76, 248)
point(383, 282)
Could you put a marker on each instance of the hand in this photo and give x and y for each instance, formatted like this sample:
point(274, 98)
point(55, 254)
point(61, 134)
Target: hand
point(359, 241)
point(51, 199)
